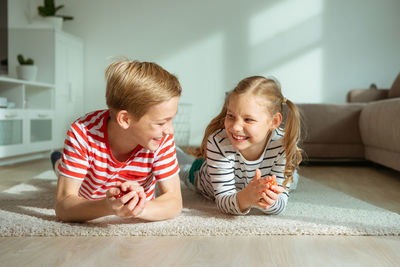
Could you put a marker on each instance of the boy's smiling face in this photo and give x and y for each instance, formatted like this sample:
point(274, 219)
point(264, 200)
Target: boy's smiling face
point(154, 125)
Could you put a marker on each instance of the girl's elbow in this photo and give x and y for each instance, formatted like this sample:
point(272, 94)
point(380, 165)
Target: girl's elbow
point(276, 211)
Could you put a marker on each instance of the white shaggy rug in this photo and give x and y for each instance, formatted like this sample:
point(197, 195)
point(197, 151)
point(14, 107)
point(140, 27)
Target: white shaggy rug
point(313, 209)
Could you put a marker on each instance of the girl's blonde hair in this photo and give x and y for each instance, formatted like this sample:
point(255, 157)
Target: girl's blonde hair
point(136, 86)
point(270, 90)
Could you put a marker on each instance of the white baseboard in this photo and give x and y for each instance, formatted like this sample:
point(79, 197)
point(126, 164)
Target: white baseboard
point(23, 158)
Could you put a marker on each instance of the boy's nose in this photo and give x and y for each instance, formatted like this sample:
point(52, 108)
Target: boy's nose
point(169, 129)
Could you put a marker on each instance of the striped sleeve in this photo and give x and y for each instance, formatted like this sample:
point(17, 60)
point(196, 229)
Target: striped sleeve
point(74, 161)
point(278, 168)
point(279, 206)
point(166, 164)
point(222, 176)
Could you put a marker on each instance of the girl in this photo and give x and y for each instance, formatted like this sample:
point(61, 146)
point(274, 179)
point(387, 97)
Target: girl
point(243, 149)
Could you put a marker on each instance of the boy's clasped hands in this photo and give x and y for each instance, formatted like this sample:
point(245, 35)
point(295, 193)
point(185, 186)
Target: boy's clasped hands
point(261, 192)
point(126, 199)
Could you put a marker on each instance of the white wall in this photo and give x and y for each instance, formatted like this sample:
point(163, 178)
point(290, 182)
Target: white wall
point(318, 49)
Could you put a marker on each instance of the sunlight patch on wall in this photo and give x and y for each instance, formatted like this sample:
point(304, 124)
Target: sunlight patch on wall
point(281, 18)
point(283, 48)
point(301, 78)
point(201, 71)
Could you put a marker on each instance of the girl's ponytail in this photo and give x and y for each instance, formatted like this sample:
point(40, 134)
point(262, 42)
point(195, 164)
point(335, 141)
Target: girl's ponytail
point(290, 140)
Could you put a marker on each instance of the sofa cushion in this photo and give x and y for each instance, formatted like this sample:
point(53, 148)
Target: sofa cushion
point(395, 89)
point(366, 95)
point(331, 130)
point(331, 123)
point(380, 128)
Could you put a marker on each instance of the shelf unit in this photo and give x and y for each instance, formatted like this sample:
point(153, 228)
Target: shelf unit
point(29, 126)
point(43, 110)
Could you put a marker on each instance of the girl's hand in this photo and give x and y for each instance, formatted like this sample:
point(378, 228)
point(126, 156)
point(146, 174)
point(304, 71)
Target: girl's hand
point(271, 193)
point(126, 199)
point(251, 195)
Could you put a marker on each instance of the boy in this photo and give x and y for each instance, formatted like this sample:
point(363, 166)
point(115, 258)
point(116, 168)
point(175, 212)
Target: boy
point(113, 158)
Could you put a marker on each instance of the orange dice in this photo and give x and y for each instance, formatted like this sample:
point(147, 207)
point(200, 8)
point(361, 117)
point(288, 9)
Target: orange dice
point(271, 183)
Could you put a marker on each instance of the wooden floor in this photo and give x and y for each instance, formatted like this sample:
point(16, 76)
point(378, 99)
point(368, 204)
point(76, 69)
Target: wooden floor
point(376, 185)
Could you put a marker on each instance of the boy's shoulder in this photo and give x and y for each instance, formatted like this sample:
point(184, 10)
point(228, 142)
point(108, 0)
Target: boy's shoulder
point(94, 122)
point(166, 146)
point(92, 119)
point(93, 116)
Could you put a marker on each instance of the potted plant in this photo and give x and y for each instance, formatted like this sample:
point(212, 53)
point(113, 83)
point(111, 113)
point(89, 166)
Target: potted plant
point(49, 13)
point(27, 69)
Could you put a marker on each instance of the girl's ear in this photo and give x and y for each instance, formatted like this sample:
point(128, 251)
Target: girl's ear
point(123, 119)
point(276, 120)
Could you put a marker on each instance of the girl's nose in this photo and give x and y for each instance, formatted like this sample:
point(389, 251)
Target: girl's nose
point(237, 126)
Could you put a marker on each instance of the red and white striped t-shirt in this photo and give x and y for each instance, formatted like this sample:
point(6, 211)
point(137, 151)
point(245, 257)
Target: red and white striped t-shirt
point(87, 157)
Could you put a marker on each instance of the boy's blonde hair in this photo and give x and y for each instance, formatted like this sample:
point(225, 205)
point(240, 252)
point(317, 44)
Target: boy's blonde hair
point(136, 86)
point(270, 90)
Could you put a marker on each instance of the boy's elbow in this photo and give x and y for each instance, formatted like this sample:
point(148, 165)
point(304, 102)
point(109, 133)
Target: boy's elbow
point(62, 213)
point(176, 214)
point(178, 209)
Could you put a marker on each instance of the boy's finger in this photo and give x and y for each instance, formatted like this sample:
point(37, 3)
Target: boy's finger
point(140, 204)
point(126, 187)
point(132, 204)
point(126, 197)
point(142, 195)
point(112, 192)
point(139, 207)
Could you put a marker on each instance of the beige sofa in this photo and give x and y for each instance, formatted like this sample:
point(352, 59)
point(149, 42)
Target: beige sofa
point(366, 127)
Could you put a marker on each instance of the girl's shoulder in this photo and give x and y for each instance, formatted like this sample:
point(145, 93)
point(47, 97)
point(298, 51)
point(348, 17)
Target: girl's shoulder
point(277, 136)
point(218, 136)
point(275, 146)
point(220, 139)
point(279, 133)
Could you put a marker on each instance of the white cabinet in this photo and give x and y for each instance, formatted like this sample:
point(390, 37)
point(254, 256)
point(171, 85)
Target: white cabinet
point(59, 57)
point(44, 109)
point(28, 127)
point(69, 83)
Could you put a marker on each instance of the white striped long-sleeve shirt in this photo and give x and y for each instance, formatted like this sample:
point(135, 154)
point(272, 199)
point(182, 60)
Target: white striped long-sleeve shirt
point(226, 172)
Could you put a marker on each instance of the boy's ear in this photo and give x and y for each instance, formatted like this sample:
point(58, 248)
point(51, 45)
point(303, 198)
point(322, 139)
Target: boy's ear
point(276, 120)
point(123, 119)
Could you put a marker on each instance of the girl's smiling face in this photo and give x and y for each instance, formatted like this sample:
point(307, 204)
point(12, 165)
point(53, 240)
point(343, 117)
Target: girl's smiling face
point(248, 124)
